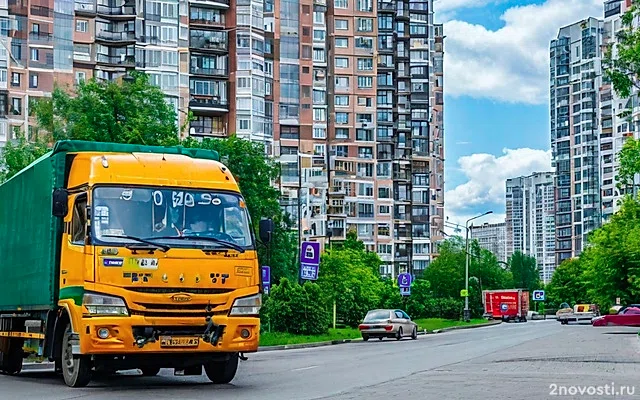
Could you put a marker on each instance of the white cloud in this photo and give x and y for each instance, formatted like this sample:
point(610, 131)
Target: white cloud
point(486, 175)
point(448, 5)
point(512, 63)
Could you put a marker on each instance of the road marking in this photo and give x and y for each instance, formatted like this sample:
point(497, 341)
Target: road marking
point(305, 368)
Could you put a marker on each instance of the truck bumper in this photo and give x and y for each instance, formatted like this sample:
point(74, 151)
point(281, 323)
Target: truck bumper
point(139, 335)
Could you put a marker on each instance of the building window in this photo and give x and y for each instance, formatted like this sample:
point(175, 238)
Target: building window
point(365, 64)
point(319, 149)
point(34, 55)
point(341, 62)
point(82, 26)
point(81, 76)
point(365, 24)
point(342, 24)
point(319, 133)
point(342, 42)
point(33, 81)
point(319, 114)
point(365, 5)
point(341, 3)
point(365, 82)
point(244, 124)
point(342, 118)
point(341, 101)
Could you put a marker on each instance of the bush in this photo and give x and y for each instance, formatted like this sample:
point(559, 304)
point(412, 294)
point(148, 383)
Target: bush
point(446, 308)
point(297, 309)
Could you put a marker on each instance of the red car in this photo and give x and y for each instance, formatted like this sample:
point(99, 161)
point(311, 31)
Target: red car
point(629, 316)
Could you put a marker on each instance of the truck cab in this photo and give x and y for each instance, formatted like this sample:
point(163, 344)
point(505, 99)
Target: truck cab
point(157, 267)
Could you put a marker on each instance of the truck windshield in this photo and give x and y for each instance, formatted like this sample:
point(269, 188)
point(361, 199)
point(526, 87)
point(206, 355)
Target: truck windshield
point(170, 216)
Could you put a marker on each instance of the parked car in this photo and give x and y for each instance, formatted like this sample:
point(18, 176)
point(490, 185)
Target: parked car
point(627, 316)
point(382, 323)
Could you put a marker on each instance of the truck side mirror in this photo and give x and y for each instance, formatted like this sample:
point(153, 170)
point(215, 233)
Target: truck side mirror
point(266, 230)
point(60, 206)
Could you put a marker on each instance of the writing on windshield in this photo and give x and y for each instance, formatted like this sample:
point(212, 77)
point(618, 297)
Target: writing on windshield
point(160, 214)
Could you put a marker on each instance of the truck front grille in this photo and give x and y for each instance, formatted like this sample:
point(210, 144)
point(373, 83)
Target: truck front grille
point(176, 310)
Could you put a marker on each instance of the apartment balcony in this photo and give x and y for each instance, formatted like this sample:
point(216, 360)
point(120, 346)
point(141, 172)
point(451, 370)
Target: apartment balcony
point(112, 12)
point(207, 132)
point(84, 7)
point(116, 37)
point(200, 21)
point(217, 72)
point(42, 38)
point(40, 11)
point(118, 61)
point(216, 41)
point(214, 104)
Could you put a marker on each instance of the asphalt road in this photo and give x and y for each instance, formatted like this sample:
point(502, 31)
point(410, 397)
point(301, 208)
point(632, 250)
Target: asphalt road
point(507, 361)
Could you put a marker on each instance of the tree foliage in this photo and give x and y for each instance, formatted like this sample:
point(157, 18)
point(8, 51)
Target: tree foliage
point(567, 284)
point(19, 154)
point(298, 309)
point(611, 262)
point(525, 271)
point(348, 280)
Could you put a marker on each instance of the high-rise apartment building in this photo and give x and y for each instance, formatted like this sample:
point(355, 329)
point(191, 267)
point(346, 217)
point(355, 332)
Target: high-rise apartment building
point(530, 219)
point(576, 77)
point(491, 237)
point(346, 94)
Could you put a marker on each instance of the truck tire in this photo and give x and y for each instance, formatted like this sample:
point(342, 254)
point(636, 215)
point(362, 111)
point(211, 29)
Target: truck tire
point(150, 371)
point(11, 363)
point(76, 370)
point(222, 372)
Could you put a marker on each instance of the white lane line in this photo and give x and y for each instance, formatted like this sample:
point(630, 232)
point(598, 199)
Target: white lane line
point(305, 368)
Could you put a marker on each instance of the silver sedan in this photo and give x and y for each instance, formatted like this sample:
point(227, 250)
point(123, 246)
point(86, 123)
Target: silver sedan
point(389, 323)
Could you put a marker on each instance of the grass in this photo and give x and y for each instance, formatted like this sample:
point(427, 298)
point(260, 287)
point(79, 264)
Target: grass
point(278, 338)
point(431, 324)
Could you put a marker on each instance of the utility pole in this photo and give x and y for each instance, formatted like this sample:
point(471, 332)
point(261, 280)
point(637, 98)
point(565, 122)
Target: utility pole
point(467, 313)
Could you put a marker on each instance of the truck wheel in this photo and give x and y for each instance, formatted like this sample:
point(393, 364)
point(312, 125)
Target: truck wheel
point(150, 371)
point(76, 370)
point(222, 372)
point(12, 359)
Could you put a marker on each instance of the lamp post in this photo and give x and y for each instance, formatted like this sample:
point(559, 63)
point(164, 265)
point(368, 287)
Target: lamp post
point(466, 268)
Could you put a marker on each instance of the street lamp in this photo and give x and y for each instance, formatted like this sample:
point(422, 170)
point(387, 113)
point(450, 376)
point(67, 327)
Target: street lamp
point(467, 316)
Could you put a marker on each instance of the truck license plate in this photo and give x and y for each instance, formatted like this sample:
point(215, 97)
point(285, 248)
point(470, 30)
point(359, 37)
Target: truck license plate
point(169, 341)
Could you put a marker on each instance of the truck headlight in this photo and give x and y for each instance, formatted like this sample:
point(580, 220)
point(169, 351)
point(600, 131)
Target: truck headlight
point(105, 305)
point(247, 306)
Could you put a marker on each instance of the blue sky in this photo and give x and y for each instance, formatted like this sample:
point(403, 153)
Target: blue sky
point(496, 94)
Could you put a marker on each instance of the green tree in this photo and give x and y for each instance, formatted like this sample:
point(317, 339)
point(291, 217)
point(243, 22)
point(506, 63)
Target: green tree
point(297, 309)
point(17, 155)
point(446, 272)
point(525, 271)
point(351, 283)
point(612, 258)
point(567, 284)
point(108, 111)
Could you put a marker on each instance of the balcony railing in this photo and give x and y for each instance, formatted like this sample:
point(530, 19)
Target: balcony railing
point(83, 6)
point(197, 100)
point(116, 36)
point(128, 61)
point(208, 71)
point(116, 11)
point(40, 37)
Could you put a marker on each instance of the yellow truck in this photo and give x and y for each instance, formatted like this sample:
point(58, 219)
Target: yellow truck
point(128, 257)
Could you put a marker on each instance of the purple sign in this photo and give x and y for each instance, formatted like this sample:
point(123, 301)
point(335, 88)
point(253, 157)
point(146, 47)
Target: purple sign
point(404, 280)
point(309, 271)
point(266, 279)
point(266, 274)
point(310, 253)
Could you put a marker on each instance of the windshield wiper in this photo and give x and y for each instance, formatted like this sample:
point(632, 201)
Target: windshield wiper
point(162, 247)
point(206, 238)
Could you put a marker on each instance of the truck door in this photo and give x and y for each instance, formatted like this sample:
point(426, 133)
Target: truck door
point(76, 265)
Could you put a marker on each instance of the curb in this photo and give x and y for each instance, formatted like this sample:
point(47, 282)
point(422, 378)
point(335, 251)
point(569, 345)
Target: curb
point(344, 341)
point(453, 328)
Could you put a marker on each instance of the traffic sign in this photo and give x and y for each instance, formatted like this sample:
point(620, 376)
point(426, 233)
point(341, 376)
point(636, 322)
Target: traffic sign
point(504, 307)
point(405, 291)
point(266, 279)
point(404, 280)
point(310, 253)
point(309, 260)
point(538, 295)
